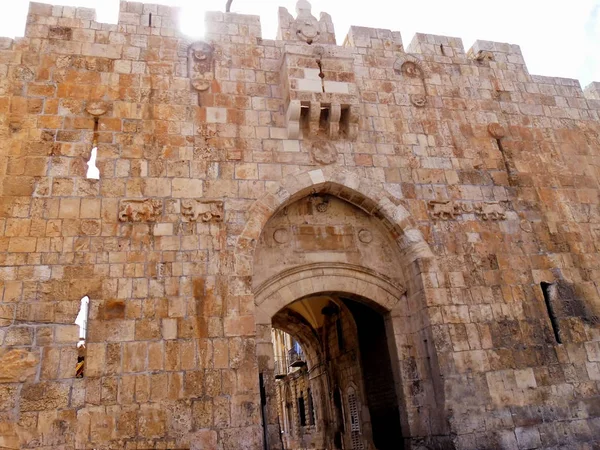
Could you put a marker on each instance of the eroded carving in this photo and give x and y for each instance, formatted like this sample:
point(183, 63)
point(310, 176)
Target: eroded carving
point(418, 100)
point(490, 211)
point(365, 236)
point(281, 236)
point(203, 210)
point(444, 210)
point(96, 108)
point(90, 227)
point(324, 152)
point(23, 73)
point(139, 210)
point(306, 25)
point(320, 203)
point(200, 65)
point(483, 55)
point(496, 130)
point(449, 209)
point(409, 66)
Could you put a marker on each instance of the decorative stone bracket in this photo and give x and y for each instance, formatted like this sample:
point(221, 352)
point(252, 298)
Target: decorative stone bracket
point(450, 210)
point(334, 117)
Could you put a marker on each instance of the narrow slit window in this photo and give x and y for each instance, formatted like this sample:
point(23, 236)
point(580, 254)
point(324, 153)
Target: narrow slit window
point(547, 289)
point(93, 173)
point(81, 321)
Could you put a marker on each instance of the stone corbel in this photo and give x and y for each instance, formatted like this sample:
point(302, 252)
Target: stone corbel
point(314, 116)
point(292, 116)
point(353, 119)
point(335, 114)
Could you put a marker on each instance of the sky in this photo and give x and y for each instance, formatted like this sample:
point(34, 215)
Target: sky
point(558, 38)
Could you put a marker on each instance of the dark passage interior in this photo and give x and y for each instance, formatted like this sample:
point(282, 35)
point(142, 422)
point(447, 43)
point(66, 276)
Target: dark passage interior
point(377, 376)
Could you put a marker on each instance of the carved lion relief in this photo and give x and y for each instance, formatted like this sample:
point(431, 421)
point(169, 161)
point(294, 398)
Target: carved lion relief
point(444, 210)
point(202, 210)
point(140, 210)
point(200, 65)
point(449, 210)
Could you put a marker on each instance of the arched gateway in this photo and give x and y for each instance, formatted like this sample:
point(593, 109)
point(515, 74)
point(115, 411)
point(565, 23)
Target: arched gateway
point(338, 264)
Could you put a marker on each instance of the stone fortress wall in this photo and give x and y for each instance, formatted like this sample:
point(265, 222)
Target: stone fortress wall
point(486, 177)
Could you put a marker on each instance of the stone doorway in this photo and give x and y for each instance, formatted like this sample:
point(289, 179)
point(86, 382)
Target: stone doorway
point(334, 382)
point(327, 242)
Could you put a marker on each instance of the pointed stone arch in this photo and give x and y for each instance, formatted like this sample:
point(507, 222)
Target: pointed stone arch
point(404, 308)
point(368, 195)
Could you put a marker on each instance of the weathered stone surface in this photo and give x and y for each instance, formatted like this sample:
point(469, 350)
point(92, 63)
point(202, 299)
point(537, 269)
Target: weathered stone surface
point(448, 191)
point(18, 365)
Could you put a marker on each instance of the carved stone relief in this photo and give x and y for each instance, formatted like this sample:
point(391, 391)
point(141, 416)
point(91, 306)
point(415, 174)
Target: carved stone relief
point(200, 65)
point(323, 152)
point(418, 100)
point(490, 211)
point(444, 210)
point(202, 210)
point(140, 210)
point(23, 73)
point(90, 227)
point(306, 25)
point(450, 210)
point(483, 55)
point(409, 66)
point(365, 236)
point(496, 130)
point(281, 236)
point(96, 108)
point(320, 203)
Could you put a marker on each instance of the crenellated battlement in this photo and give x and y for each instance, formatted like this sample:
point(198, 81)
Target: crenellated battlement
point(79, 25)
point(170, 194)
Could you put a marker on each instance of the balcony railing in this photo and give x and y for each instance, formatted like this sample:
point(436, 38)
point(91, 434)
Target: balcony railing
point(281, 368)
point(296, 357)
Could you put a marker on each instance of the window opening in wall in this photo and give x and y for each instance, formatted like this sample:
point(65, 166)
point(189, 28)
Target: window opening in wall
point(547, 289)
point(354, 420)
point(301, 410)
point(340, 334)
point(442, 50)
point(311, 408)
point(149, 19)
point(81, 320)
point(93, 172)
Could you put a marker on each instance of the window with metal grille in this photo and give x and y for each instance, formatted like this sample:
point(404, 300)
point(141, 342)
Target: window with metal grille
point(357, 443)
point(353, 407)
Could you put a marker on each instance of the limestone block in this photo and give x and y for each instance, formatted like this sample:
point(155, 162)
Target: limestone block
point(18, 365)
